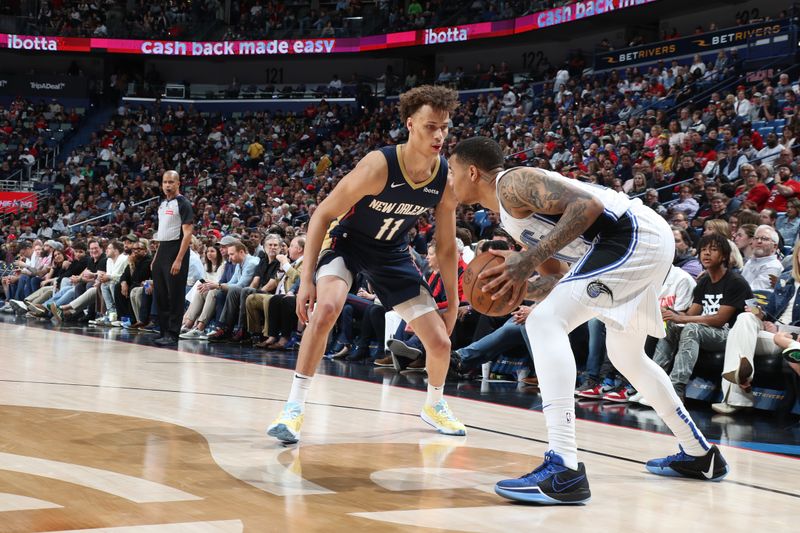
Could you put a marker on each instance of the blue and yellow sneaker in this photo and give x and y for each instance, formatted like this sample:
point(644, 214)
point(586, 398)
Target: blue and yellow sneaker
point(442, 418)
point(551, 483)
point(286, 428)
point(709, 467)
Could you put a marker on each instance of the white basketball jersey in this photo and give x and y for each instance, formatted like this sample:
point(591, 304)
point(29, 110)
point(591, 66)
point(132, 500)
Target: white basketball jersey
point(532, 229)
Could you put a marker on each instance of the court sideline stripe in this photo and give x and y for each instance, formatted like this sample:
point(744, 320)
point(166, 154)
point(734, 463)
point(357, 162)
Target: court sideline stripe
point(84, 332)
point(368, 409)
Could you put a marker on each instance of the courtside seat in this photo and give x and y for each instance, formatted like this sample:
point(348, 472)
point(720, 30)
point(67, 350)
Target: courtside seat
point(772, 386)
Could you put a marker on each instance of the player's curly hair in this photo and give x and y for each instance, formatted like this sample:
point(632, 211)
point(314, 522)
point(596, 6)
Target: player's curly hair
point(436, 96)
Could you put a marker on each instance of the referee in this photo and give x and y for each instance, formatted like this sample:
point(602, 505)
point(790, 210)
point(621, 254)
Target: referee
point(171, 263)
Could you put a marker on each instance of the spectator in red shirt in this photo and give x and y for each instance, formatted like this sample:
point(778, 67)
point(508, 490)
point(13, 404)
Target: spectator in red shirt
point(785, 188)
point(707, 153)
point(755, 138)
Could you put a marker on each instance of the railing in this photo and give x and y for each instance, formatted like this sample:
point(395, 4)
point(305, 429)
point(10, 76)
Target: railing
point(727, 82)
point(678, 183)
point(13, 182)
point(104, 215)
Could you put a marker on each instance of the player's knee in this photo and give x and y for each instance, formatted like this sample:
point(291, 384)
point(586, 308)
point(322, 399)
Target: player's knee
point(440, 344)
point(541, 323)
point(325, 313)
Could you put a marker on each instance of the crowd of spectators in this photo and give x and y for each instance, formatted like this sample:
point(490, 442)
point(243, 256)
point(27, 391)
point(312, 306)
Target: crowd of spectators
point(259, 19)
point(166, 19)
point(29, 133)
point(710, 165)
point(255, 19)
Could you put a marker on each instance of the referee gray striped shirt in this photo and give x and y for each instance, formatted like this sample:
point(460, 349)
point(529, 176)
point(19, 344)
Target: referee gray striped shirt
point(171, 215)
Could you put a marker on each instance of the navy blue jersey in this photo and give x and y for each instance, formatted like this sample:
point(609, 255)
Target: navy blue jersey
point(386, 217)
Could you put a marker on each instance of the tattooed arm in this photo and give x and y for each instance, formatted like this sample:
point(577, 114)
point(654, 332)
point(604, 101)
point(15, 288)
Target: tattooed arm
point(540, 287)
point(524, 191)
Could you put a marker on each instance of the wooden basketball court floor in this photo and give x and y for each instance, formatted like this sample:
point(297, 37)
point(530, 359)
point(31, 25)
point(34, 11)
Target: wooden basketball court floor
point(100, 435)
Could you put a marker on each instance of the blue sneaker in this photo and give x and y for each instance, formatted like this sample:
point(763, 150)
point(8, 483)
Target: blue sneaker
point(551, 483)
point(709, 467)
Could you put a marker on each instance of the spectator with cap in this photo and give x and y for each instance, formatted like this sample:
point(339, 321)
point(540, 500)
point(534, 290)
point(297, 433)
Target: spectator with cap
point(784, 188)
point(128, 241)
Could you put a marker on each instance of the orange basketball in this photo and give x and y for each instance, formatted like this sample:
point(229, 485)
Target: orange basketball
point(482, 301)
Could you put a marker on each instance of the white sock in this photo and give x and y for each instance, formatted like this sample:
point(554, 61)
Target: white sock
point(627, 355)
point(434, 394)
point(680, 422)
point(560, 417)
point(300, 386)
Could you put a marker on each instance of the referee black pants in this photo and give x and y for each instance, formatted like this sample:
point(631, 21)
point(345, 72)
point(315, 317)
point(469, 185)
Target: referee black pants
point(168, 290)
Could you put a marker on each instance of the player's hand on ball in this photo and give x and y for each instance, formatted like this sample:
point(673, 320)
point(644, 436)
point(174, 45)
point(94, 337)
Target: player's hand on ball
point(511, 277)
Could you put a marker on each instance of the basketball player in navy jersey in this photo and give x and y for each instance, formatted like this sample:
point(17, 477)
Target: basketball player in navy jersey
point(362, 227)
point(621, 252)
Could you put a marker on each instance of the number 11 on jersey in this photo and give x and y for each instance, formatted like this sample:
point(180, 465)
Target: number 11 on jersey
point(387, 222)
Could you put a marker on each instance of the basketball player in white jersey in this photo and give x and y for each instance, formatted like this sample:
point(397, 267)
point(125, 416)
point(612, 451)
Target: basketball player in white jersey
point(620, 252)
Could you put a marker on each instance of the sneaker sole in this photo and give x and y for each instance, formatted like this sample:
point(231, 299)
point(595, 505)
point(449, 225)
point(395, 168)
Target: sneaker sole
point(669, 472)
point(456, 433)
point(791, 355)
point(18, 309)
point(535, 497)
point(617, 400)
point(383, 365)
point(283, 434)
point(589, 396)
point(729, 410)
point(399, 350)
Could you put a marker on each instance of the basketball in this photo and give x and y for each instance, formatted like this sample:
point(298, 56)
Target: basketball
point(482, 301)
